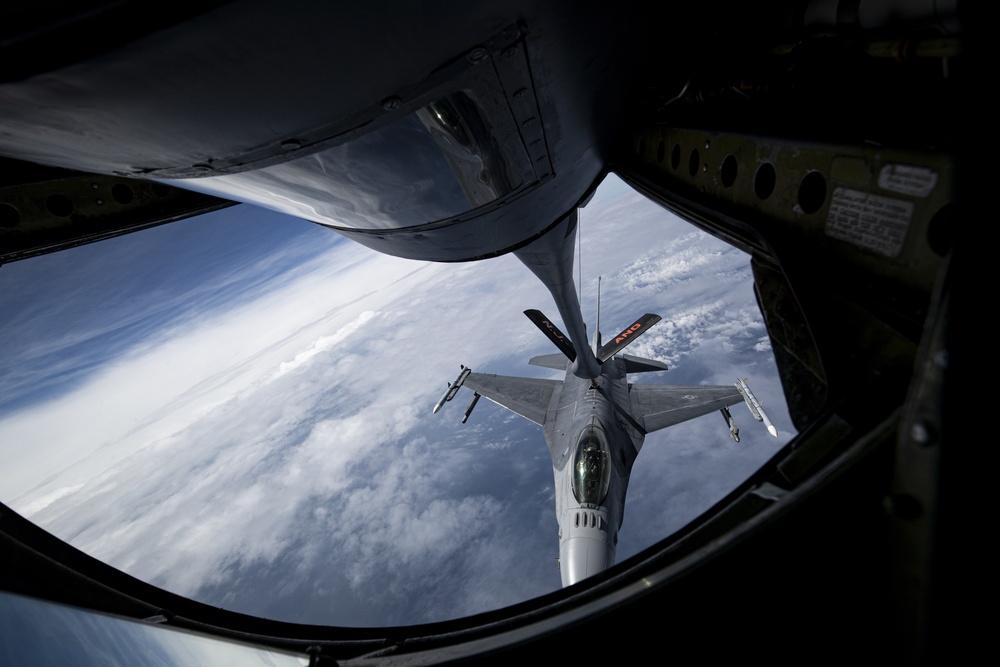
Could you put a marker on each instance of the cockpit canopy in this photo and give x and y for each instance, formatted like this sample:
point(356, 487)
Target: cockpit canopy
point(591, 466)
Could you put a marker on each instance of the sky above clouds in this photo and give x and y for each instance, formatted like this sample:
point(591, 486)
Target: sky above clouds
point(238, 408)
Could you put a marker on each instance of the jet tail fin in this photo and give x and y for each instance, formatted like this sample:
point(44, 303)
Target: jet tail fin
point(553, 333)
point(627, 335)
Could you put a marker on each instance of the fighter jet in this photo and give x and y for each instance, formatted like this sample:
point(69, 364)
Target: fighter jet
point(595, 428)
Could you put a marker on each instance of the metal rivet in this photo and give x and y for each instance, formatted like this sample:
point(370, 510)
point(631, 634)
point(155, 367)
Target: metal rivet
point(291, 145)
point(477, 55)
point(508, 53)
point(391, 103)
point(201, 167)
point(707, 144)
point(100, 201)
point(529, 122)
point(94, 185)
point(521, 92)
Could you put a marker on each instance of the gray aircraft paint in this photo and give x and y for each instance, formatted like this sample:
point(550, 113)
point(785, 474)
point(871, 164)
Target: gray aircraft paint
point(622, 414)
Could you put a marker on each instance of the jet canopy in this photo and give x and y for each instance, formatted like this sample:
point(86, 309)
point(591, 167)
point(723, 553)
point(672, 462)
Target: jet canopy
point(591, 466)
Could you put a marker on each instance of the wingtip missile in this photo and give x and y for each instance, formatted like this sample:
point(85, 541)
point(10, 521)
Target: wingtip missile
point(453, 388)
point(756, 409)
point(439, 404)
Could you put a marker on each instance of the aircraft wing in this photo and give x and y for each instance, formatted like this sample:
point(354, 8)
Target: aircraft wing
point(658, 406)
point(528, 397)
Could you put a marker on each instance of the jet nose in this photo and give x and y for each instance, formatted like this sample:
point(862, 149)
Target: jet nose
point(583, 556)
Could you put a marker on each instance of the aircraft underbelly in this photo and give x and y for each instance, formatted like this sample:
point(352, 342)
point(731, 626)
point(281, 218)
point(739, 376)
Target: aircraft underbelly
point(584, 555)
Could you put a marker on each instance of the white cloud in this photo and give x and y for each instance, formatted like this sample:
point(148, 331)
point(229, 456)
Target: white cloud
point(287, 442)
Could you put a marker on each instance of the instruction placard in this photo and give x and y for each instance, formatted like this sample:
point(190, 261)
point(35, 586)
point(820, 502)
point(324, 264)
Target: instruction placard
point(869, 221)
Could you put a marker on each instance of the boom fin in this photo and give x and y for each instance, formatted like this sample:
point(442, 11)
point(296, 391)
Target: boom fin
point(553, 333)
point(627, 335)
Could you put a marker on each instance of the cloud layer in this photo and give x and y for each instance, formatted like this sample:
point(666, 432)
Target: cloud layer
point(268, 446)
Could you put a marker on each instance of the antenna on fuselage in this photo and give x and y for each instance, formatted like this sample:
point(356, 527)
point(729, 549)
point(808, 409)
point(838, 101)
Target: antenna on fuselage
point(597, 333)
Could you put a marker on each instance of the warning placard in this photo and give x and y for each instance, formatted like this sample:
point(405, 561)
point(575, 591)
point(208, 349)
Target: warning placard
point(907, 180)
point(869, 221)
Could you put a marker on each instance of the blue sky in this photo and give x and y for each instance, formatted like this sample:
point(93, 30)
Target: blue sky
point(69, 313)
point(238, 408)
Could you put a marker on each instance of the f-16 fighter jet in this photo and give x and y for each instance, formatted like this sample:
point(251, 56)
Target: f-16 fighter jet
point(594, 429)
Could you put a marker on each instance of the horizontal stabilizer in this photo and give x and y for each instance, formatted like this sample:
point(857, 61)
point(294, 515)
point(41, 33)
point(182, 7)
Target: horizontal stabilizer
point(556, 361)
point(627, 335)
point(642, 365)
point(552, 332)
